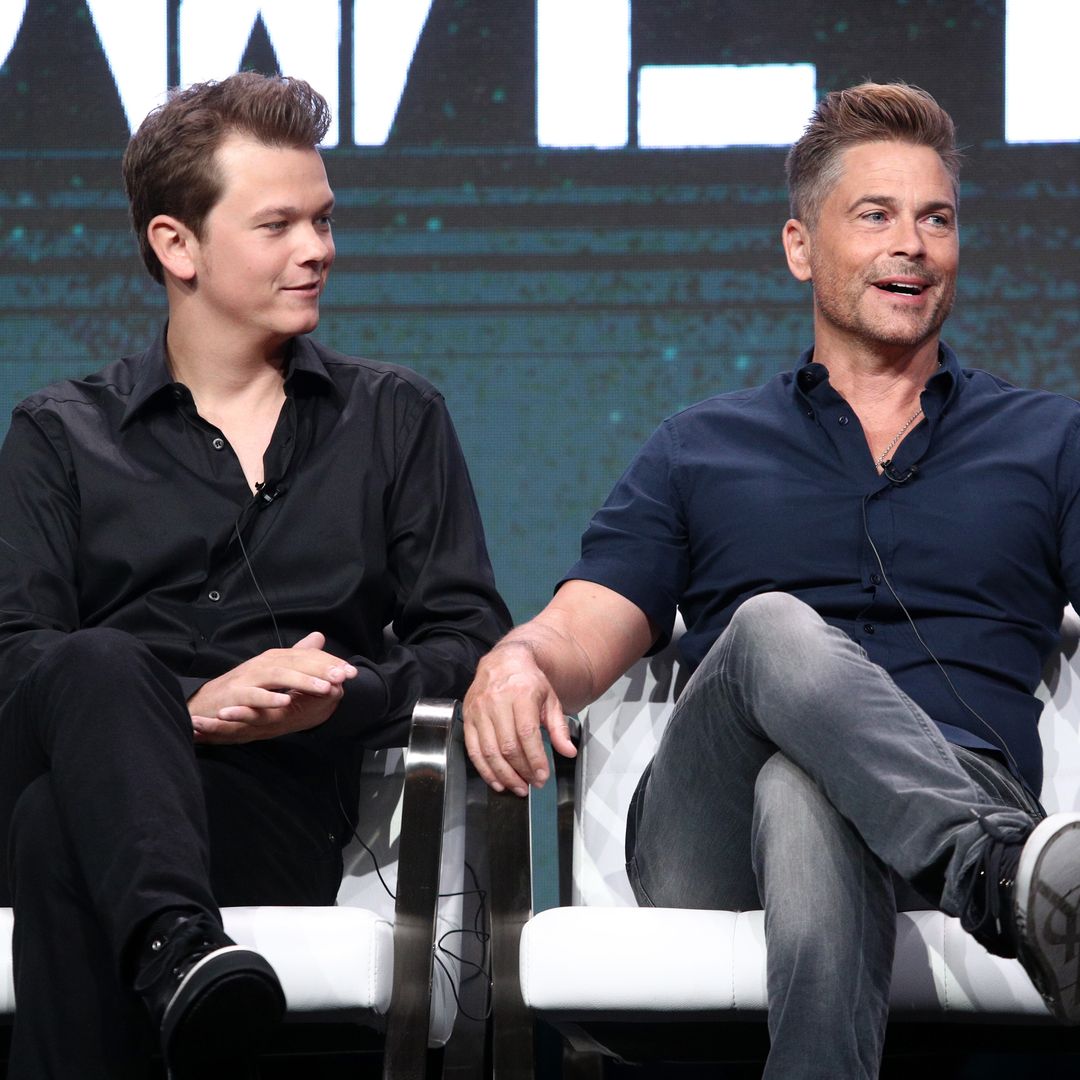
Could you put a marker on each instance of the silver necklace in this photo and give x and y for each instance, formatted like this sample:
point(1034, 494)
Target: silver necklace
point(897, 437)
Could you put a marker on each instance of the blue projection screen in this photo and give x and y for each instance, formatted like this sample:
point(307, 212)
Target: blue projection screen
point(566, 213)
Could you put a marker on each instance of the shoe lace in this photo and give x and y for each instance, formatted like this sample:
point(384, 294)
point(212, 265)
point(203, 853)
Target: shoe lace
point(185, 941)
point(986, 906)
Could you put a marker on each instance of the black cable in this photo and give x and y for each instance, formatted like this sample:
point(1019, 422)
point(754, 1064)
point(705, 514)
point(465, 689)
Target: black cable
point(375, 863)
point(482, 935)
point(255, 582)
point(480, 920)
point(479, 929)
point(359, 839)
point(454, 990)
point(998, 741)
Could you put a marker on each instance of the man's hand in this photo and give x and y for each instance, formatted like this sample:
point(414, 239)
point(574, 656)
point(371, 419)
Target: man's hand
point(507, 705)
point(274, 693)
point(556, 663)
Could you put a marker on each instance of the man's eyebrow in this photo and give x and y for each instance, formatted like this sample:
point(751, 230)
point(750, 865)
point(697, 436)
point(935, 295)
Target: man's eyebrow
point(890, 203)
point(292, 211)
point(883, 200)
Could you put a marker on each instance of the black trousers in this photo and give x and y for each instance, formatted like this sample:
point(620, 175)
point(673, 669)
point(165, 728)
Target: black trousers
point(109, 816)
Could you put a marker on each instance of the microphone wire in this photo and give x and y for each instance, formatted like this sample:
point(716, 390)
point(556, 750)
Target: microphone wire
point(255, 582)
point(996, 738)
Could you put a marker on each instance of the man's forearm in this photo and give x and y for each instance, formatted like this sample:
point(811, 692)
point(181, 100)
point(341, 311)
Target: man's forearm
point(559, 656)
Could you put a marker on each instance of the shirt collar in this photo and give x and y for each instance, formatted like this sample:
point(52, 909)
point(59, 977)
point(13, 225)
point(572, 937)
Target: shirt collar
point(153, 378)
point(305, 365)
point(941, 387)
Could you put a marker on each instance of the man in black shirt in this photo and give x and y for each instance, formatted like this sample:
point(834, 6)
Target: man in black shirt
point(201, 547)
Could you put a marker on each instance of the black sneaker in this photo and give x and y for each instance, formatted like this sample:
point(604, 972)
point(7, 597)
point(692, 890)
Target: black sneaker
point(211, 999)
point(1024, 901)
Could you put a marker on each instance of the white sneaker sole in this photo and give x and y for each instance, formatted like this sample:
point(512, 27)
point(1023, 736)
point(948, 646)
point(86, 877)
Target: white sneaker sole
point(1048, 917)
point(227, 1004)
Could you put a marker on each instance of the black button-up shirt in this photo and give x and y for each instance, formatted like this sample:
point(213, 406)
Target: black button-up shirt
point(122, 507)
point(978, 531)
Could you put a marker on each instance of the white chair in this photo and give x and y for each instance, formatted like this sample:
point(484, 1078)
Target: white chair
point(371, 961)
point(665, 984)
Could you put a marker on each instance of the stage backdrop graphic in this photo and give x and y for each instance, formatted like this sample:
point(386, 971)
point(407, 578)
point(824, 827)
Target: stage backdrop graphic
point(565, 213)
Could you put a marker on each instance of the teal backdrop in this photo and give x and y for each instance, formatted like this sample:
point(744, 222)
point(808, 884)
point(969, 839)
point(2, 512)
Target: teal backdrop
point(564, 298)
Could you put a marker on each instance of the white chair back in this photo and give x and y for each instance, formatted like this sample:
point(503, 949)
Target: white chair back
point(379, 826)
point(620, 732)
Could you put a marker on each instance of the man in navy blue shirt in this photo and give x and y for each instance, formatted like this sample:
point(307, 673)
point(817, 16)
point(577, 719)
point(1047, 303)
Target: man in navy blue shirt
point(871, 554)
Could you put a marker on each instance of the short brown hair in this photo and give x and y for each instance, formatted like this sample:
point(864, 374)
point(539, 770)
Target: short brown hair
point(870, 112)
point(169, 166)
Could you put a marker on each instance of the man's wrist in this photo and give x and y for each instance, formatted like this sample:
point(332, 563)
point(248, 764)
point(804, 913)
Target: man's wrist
point(507, 643)
point(531, 647)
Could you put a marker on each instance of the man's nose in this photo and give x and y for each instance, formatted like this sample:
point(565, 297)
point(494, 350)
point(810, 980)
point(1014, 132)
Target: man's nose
point(906, 238)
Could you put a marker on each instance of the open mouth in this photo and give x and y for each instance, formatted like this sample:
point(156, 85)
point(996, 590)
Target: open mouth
point(900, 288)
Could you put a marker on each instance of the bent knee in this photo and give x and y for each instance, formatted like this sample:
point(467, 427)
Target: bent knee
point(96, 656)
point(97, 646)
point(780, 634)
point(771, 613)
point(90, 667)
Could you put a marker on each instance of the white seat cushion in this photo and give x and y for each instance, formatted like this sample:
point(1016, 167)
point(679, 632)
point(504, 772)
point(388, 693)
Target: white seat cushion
point(620, 959)
point(337, 963)
point(610, 961)
point(606, 958)
point(7, 979)
point(329, 960)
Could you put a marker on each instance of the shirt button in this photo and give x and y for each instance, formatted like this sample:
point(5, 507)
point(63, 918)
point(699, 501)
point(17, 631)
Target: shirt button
point(177, 393)
point(842, 421)
point(214, 595)
point(875, 578)
point(868, 627)
point(218, 443)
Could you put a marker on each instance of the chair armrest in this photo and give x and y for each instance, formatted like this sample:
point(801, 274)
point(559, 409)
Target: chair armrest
point(509, 846)
point(434, 765)
point(510, 861)
point(565, 781)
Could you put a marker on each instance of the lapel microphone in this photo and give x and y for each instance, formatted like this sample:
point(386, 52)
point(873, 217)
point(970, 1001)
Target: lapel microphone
point(895, 477)
point(267, 492)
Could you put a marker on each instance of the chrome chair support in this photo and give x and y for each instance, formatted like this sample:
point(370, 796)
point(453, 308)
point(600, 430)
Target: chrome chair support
point(435, 762)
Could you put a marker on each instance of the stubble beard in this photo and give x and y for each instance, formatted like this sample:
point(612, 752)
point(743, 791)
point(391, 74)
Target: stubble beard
point(843, 309)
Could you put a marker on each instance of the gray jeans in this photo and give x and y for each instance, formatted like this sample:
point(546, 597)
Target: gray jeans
point(796, 776)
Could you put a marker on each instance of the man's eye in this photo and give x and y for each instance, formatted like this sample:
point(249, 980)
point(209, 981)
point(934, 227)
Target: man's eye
point(326, 221)
point(275, 226)
point(875, 217)
point(938, 221)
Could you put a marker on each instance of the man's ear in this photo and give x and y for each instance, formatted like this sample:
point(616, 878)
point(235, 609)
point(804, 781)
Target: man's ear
point(174, 244)
point(796, 238)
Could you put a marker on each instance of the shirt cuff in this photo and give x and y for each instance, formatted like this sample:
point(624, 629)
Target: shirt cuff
point(362, 707)
point(190, 685)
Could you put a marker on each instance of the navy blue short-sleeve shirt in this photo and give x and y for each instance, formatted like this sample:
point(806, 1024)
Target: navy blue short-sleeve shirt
point(977, 531)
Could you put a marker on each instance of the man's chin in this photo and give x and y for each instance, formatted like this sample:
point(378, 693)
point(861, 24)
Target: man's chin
point(906, 333)
point(301, 325)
